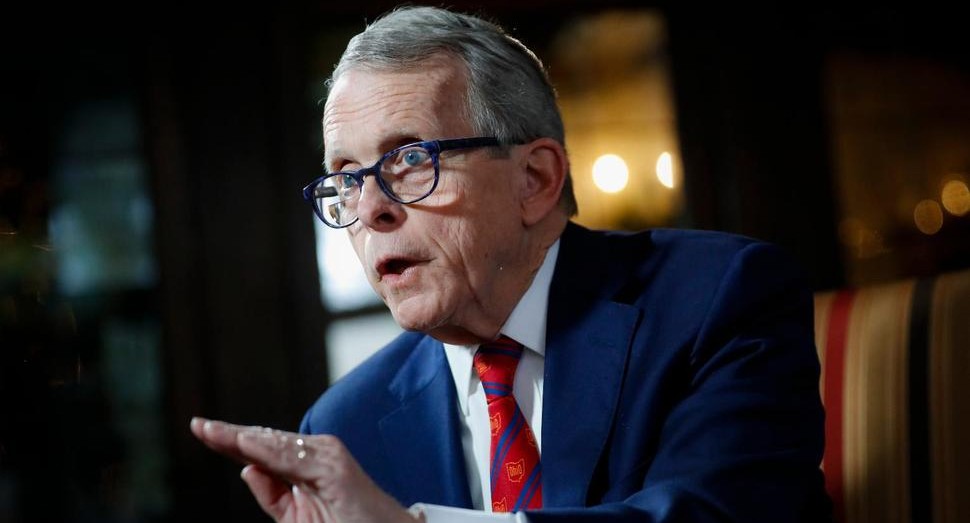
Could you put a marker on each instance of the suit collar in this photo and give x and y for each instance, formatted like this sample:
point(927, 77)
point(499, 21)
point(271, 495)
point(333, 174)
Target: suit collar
point(588, 341)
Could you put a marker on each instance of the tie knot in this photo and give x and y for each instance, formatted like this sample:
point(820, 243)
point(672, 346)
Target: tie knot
point(495, 363)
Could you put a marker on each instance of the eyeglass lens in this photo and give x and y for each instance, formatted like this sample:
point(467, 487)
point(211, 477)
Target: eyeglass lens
point(407, 175)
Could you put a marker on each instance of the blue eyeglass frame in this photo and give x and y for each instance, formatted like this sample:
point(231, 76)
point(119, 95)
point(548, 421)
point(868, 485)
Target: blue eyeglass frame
point(434, 148)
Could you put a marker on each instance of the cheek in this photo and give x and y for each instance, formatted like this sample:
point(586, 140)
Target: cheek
point(472, 253)
point(359, 242)
point(445, 199)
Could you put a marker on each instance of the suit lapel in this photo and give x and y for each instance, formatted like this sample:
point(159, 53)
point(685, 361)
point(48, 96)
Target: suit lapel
point(423, 436)
point(587, 344)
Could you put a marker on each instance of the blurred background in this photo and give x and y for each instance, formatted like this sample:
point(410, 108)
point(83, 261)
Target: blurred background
point(157, 260)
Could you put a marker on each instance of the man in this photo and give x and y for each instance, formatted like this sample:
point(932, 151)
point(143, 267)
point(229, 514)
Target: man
point(665, 376)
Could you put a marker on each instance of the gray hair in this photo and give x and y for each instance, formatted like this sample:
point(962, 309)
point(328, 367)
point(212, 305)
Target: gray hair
point(509, 94)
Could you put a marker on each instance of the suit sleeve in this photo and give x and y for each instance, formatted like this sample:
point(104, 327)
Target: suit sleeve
point(744, 441)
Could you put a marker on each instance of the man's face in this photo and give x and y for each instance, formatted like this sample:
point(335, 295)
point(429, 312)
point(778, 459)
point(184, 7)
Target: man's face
point(439, 264)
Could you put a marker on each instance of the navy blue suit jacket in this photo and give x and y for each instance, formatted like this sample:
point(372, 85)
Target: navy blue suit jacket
point(681, 384)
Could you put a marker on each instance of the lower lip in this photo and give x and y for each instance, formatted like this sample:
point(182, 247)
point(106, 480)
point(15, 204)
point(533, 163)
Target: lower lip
point(401, 278)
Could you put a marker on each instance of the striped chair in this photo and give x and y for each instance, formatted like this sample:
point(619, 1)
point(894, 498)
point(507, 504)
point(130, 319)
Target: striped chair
point(896, 387)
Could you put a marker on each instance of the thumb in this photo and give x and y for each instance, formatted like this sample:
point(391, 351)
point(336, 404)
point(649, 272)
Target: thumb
point(272, 494)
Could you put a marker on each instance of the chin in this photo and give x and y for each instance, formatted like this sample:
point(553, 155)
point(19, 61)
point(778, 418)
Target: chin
point(413, 318)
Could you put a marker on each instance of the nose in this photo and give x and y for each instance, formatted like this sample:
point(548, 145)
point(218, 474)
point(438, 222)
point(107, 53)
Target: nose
point(377, 210)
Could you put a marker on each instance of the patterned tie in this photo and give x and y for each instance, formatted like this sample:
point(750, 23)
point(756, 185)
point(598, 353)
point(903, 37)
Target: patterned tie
point(516, 473)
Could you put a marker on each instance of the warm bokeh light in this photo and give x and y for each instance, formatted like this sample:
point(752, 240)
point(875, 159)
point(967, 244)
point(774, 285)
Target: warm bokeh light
point(665, 170)
point(610, 173)
point(956, 197)
point(928, 216)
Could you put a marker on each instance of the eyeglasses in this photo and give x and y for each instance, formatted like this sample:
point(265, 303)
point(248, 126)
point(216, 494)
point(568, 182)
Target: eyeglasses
point(407, 174)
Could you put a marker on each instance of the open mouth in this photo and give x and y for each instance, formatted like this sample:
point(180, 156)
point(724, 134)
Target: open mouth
point(394, 266)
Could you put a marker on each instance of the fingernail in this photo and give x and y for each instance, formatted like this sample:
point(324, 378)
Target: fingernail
point(207, 426)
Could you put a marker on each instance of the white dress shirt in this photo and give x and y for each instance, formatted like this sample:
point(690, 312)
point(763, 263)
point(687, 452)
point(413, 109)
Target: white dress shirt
point(526, 325)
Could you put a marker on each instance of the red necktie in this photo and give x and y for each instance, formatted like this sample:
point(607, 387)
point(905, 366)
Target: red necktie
point(516, 474)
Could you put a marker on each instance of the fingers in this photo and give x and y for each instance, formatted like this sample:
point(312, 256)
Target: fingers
point(298, 477)
point(222, 437)
point(296, 457)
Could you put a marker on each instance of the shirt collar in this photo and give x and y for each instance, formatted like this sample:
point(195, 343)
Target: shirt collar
point(526, 325)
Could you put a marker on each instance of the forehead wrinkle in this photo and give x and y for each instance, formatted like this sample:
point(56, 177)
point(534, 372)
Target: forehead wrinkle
point(405, 105)
point(398, 120)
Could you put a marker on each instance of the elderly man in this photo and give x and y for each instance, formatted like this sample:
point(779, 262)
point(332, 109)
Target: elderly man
point(551, 373)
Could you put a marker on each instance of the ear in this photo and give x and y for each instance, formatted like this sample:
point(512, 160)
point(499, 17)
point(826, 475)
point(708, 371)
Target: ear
point(545, 163)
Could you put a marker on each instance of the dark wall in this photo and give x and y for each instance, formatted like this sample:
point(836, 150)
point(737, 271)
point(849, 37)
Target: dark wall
point(751, 113)
point(227, 131)
point(754, 120)
point(233, 137)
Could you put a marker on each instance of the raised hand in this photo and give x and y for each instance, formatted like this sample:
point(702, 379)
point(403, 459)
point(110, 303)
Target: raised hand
point(297, 478)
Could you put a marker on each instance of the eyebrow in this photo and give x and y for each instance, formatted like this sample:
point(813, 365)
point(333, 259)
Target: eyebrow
point(387, 144)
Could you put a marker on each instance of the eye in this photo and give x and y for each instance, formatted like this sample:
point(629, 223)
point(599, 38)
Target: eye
point(415, 157)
